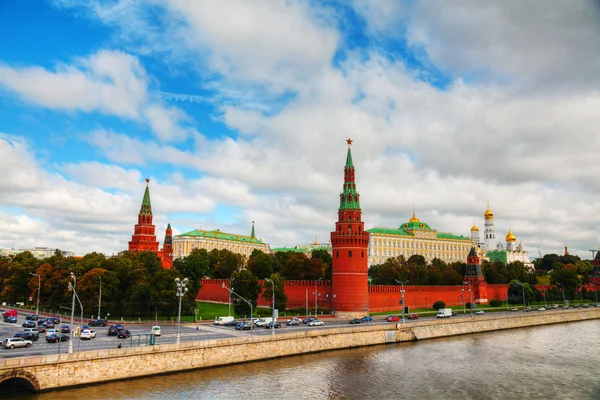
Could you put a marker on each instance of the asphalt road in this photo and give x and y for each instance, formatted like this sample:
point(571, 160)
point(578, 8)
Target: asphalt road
point(188, 332)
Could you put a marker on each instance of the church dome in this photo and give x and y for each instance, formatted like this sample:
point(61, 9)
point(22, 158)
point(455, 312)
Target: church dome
point(488, 214)
point(414, 219)
point(415, 223)
point(474, 228)
point(511, 237)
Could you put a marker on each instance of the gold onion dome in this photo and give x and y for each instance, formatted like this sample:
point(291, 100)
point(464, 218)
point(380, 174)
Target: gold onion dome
point(511, 237)
point(414, 219)
point(488, 214)
point(474, 228)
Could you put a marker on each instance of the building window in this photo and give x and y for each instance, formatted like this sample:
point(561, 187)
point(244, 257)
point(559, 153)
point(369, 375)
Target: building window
point(337, 254)
point(362, 254)
point(349, 253)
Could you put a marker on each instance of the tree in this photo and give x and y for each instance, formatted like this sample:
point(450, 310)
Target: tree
point(225, 263)
point(246, 286)
point(294, 267)
point(567, 277)
point(313, 269)
point(280, 297)
point(195, 266)
point(260, 264)
point(163, 292)
point(326, 259)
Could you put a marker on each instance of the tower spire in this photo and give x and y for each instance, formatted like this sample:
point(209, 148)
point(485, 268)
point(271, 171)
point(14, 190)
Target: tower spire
point(146, 208)
point(252, 235)
point(349, 198)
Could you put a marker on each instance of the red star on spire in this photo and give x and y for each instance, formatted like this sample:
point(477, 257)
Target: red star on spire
point(147, 181)
point(349, 141)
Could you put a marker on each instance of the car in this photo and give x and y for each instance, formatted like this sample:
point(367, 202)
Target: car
point(270, 325)
point(54, 320)
point(514, 309)
point(54, 338)
point(32, 330)
point(245, 326)
point(11, 343)
point(10, 320)
point(454, 314)
point(124, 334)
point(48, 324)
point(575, 306)
point(586, 305)
point(41, 329)
point(367, 318)
point(98, 322)
point(413, 316)
point(565, 307)
point(597, 305)
point(479, 312)
point(156, 330)
point(316, 322)
point(393, 318)
point(28, 324)
point(65, 329)
point(85, 328)
point(307, 320)
point(34, 337)
point(87, 334)
point(112, 330)
point(51, 332)
point(31, 317)
point(554, 305)
point(233, 322)
point(294, 322)
point(355, 321)
point(541, 308)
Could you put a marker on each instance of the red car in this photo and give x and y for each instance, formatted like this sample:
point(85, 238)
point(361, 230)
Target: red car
point(393, 318)
point(413, 316)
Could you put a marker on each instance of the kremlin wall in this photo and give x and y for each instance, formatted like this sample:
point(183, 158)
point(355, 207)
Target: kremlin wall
point(353, 250)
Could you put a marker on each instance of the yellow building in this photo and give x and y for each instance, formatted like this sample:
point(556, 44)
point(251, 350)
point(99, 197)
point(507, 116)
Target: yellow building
point(416, 237)
point(209, 240)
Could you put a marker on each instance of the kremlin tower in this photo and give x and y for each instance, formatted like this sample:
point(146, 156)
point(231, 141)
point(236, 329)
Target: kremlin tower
point(144, 237)
point(349, 244)
point(490, 236)
point(474, 276)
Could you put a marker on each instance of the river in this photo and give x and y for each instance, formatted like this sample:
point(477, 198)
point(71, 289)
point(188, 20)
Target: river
point(549, 362)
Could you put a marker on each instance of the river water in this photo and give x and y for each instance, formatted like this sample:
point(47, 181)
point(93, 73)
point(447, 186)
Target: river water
point(549, 362)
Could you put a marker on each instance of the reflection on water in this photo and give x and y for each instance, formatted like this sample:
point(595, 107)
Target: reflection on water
point(551, 362)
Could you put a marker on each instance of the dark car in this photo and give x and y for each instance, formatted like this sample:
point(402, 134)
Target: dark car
point(98, 322)
point(307, 320)
point(270, 325)
point(113, 330)
point(65, 329)
point(48, 324)
point(294, 322)
point(54, 320)
point(41, 329)
point(413, 316)
point(55, 338)
point(34, 337)
point(11, 320)
point(231, 323)
point(393, 318)
point(454, 313)
point(41, 321)
point(124, 334)
point(245, 326)
point(31, 317)
point(355, 321)
point(368, 318)
point(28, 324)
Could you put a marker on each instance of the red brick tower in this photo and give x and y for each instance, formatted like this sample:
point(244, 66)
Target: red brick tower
point(143, 238)
point(595, 275)
point(474, 276)
point(166, 254)
point(349, 244)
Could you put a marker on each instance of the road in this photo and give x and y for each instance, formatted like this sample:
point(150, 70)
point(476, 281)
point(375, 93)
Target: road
point(188, 332)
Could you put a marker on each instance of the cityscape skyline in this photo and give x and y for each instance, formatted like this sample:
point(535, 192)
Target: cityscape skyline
point(234, 122)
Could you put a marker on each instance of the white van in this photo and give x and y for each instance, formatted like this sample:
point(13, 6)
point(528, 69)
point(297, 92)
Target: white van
point(263, 321)
point(156, 330)
point(223, 320)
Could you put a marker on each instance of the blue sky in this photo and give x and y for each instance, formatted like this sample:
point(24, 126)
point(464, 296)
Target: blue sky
point(238, 111)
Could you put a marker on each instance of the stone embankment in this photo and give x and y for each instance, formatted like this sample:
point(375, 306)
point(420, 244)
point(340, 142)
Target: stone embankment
point(65, 370)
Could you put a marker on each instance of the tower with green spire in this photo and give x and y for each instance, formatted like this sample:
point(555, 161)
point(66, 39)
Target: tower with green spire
point(349, 242)
point(144, 237)
point(253, 235)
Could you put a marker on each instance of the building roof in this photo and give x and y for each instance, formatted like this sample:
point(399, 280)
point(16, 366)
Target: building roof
point(393, 231)
point(301, 249)
point(146, 208)
point(217, 234)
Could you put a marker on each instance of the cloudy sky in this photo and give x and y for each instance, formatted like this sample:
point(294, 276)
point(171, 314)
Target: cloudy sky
point(238, 111)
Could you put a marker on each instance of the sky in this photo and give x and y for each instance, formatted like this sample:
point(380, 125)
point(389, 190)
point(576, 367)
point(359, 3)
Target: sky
point(238, 111)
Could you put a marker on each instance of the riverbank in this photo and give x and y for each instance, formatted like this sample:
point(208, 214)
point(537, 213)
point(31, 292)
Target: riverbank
point(66, 370)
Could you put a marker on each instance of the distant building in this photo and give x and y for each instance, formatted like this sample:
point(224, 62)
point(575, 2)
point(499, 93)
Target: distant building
point(511, 254)
point(416, 238)
point(38, 252)
point(210, 240)
point(306, 249)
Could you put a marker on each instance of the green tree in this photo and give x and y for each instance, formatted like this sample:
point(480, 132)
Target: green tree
point(245, 285)
point(163, 292)
point(195, 266)
point(294, 267)
point(225, 263)
point(280, 297)
point(260, 264)
point(326, 259)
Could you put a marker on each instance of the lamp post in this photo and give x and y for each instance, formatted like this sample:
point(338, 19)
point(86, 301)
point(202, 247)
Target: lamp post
point(181, 290)
point(402, 291)
point(470, 297)
point(563, 292)
point(273, 311)
point(523, 288)
point(316, 283)
point(544, 293)
point(247, 302)
point(72, 275)
point(37, 307)
point(596, 288)
point(100, 297)
point(462, 290)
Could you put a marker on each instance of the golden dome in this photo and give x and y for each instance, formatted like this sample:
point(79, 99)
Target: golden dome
point(474, 228)
point(315, 243)
point(511, 236)
point(414, 219)
point(488, 214)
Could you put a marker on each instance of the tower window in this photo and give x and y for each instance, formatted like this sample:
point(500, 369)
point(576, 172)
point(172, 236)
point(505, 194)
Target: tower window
point(362, 254)
point(337, 254)
point(349, 253)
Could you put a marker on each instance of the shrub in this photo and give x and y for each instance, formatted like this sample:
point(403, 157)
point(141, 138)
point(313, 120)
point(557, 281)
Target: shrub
point(496, 303)
point(468, 306)
point(439, 304)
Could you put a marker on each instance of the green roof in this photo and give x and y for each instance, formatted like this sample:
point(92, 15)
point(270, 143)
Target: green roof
point(301, 249)
point(349, 159)
point(451, 236)
point(146, 208)
point(389, 231)
point(415, 226)
point(497, 255)
point(217, 234)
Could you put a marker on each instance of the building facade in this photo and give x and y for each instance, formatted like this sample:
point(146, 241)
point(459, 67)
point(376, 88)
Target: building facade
point(210, 240)
point(511, 253)
point(306, 249)
point(416, 238)
point(38, 252)
point(144, 237)
point(350, 243)
point(490, 241)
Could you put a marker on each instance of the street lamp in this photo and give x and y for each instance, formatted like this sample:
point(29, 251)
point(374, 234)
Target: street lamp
point(316, 282)
point(247, 302)
point(273, 311)
point(463, 299)
point(523, 288)
point(181, 290)
point(37, 307)
point(470, 297)
point(72, 275)
point(563, 292)
point(100, 297)
point(596, 288)
point(402, 291)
